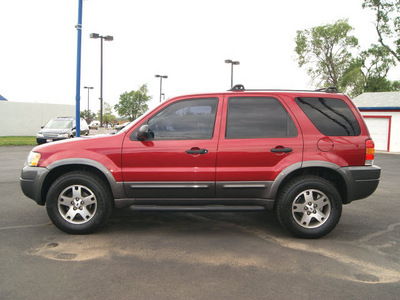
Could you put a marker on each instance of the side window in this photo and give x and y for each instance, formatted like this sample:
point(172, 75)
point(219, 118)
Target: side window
point(185, 120)
point(258, 117)
point(330, 116)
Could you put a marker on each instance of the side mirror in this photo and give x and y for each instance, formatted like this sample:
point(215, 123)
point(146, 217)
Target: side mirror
point(143, 133)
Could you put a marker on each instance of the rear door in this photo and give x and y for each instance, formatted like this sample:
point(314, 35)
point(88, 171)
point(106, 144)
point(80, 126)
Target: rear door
point(259, 139)
point(179, 161)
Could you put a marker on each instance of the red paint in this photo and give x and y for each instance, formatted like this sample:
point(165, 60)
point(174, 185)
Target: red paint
point(226, 159)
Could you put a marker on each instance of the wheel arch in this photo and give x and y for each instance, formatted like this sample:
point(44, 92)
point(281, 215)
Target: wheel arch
point(59, 168)
point(322, 169)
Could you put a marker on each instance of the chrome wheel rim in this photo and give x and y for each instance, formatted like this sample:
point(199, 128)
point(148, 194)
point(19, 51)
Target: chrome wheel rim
point(311, 208)
point(77, 204)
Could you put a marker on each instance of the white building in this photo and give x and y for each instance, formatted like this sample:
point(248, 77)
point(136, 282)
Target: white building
point(381, 112)
point(26, 119)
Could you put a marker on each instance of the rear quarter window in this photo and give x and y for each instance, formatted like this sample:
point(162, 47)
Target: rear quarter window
point(331, 116)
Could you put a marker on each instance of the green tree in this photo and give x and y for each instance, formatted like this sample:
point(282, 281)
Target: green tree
point(325, 50)
point(367, 72)
point(108, 116)
point(89, 116)
point(133, 104)
point(387, 24)
point(382, 85)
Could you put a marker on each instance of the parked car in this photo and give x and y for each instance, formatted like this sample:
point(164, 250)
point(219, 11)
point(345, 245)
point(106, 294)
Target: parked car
point(302, 153)
point(121, 126)
point(94, 124)
point(59, 129)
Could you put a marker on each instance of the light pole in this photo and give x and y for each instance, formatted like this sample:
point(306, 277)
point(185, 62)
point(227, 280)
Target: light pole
point(229, 61)
point(161, 78)
point(78, 71)
point(88, 89)
point(106, 38)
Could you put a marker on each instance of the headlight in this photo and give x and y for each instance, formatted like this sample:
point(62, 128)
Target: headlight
point(39, 135)
point(33, 159)
point(63, 135)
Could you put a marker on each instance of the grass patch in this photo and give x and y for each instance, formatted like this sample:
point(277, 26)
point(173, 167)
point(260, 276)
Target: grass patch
point(17, 140)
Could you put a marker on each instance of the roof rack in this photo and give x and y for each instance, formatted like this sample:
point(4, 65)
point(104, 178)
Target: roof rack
point(331, 89)
point(240, 87)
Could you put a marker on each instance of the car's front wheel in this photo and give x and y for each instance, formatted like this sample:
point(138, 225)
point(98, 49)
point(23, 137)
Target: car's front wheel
point(78, 202)
point(309, 207)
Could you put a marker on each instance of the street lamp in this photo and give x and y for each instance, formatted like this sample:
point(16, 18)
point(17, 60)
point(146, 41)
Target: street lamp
point(78, 71)
point(106, 38)
point(161, 78)
point(229, 61)
point(88, 89)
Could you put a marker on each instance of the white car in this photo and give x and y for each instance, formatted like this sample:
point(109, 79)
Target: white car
point(121, 126)
point(94, 124)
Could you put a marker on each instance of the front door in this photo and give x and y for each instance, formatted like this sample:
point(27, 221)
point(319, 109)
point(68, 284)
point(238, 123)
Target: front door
point(179, 160)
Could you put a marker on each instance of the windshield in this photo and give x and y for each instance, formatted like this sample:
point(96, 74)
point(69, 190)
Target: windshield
point(58, 124)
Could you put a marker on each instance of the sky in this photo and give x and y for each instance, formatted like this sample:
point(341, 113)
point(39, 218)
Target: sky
point(188, 41)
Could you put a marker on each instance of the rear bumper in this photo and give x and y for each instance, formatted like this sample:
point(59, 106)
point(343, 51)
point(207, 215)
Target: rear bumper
point(31, 182)
point(361, 181)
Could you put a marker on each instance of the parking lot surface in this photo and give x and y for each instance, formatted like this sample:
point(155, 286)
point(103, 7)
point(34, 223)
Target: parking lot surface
point(166, 255)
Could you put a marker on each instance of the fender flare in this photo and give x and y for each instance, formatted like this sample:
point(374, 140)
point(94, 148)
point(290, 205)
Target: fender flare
point(116, 187)
point(303, 165)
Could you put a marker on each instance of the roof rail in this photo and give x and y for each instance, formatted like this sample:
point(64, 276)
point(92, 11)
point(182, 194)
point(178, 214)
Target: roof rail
point(331, 89)
point(240, 87)
point(237, 87)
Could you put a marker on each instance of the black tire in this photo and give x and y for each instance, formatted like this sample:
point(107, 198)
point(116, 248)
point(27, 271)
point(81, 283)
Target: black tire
point(79, 202)
point(309, 207)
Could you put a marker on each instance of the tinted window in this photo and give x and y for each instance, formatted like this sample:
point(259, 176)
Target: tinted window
point(258, 117)
point(188, 119)
point(330, 116)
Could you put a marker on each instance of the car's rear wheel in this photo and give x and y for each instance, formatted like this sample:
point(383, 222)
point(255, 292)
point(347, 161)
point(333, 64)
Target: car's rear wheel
point(78, 202)
point(309, 207)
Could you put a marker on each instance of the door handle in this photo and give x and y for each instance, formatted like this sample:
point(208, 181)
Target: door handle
point(281, 149)
point(197, 151)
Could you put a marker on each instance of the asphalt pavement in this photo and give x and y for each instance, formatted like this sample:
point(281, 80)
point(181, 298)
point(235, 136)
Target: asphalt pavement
point(165, 255)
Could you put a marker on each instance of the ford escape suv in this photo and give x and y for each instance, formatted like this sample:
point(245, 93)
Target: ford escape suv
point(302, 153)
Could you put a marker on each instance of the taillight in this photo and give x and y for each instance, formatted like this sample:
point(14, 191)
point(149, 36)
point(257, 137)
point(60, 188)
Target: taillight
point(369, 152)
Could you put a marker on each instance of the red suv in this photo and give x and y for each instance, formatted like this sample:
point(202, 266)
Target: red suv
point(302, 153)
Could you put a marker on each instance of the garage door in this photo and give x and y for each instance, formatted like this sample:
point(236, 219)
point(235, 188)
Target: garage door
point(379, 128)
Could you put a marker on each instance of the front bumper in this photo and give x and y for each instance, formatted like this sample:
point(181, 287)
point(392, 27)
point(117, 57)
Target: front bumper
point(361, 181)
point(49, 139)
point(31, 182)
